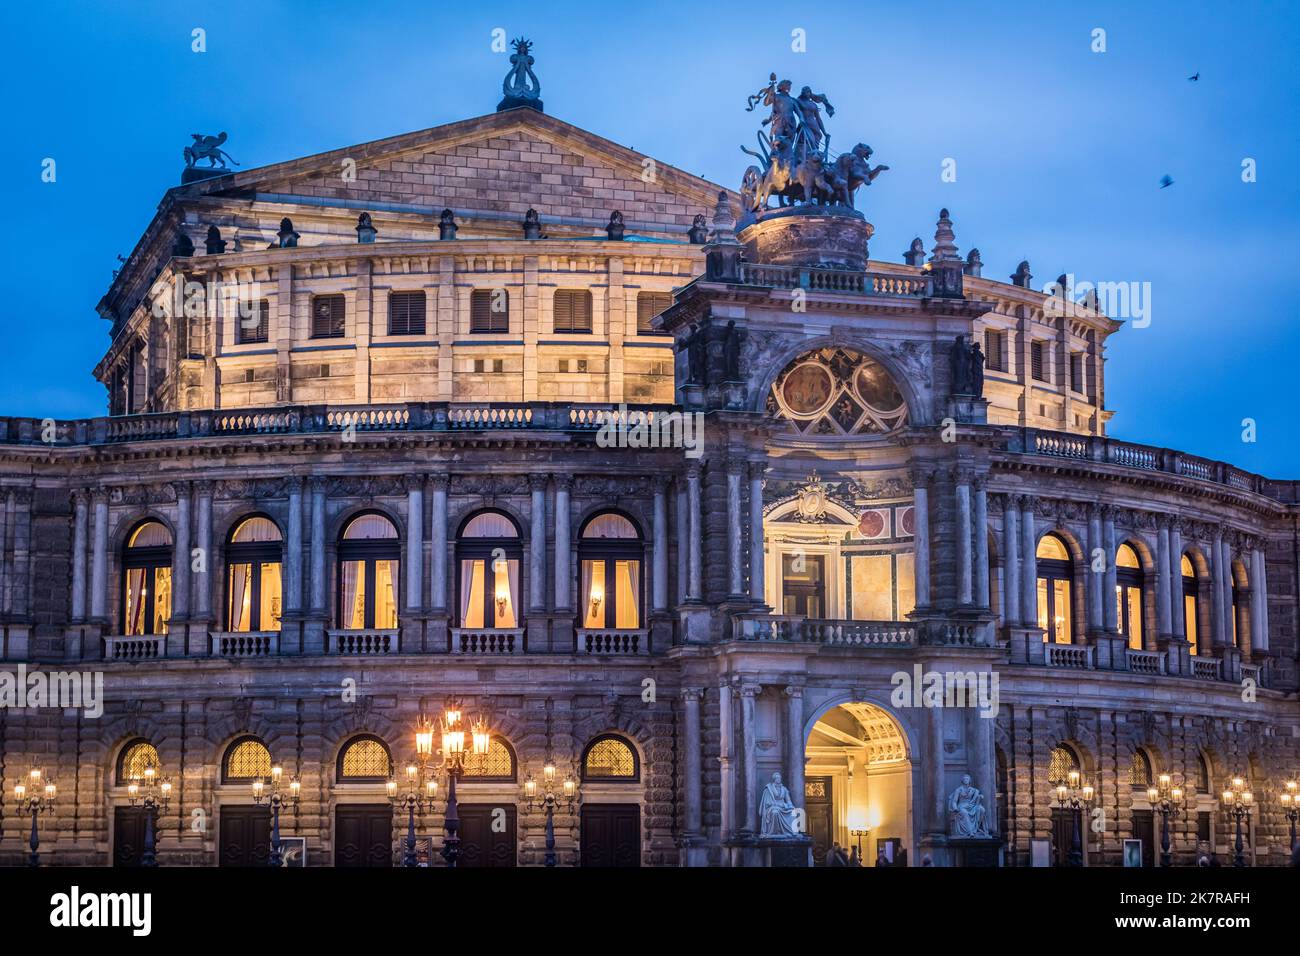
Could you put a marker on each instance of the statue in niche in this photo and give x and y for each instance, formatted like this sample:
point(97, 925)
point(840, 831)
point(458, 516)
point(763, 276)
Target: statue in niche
point(778, 818)
point(731, 353)
point(447, 225)
point(959, 361)
point(693, 346)
point(966, 811)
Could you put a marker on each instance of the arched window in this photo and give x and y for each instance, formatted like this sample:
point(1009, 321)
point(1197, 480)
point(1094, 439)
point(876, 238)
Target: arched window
point(368, 567)
point(246, 759)
point(610, 550)
point(253, 576)
point(1139, 770)
point(488, 555)
point(497, 765)
point(134, 759)
point(1237, 577)
point(1055, 579)
point(1060, 764)
point(1191, 604)
point(147, 580)
point(1128, 594)
point(1202, 773)
point(365, 759)
point(610, 758)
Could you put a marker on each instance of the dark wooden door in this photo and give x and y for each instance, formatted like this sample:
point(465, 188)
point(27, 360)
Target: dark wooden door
point(128, 836)
point(245, 836)
point(817, 805)
point(1144, 829)
point(363, 834)
point(487, 837)
point(1062, 835)
point(611, 834)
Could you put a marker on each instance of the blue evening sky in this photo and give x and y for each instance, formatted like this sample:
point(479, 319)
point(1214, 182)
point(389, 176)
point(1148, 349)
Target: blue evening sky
point(1059, 150)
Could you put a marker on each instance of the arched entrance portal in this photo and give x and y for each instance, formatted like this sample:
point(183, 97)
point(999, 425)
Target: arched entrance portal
point(858, 777)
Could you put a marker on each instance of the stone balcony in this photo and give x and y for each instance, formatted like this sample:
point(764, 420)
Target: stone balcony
point(887, 635)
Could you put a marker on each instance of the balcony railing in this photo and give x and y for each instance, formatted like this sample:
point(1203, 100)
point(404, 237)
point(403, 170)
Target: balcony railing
point(828, 633)
point(490, 641)
point(245, 643)
point(137, 648)
point(367, 643)
point(1147, 662)
point(835, 280)
point(1207, 668)
point(1068, 655)
point(621, 643)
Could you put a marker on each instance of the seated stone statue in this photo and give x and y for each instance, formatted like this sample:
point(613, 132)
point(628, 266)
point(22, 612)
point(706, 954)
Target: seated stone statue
point(777, 814)
point(966, 807)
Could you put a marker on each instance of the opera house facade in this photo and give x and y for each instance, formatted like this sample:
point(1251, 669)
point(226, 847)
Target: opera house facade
point(668, 489)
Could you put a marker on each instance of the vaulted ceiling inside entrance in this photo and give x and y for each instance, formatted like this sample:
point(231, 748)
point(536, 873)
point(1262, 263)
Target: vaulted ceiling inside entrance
point(859, 726)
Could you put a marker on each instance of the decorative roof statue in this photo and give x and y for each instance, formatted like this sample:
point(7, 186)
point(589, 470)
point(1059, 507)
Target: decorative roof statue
point(532, 225)
point(699, 232)
point(1022, 276)
point(214, 244)
point(915, 254)
point(366, 230)
point(795, 161)
point(521, 86)
point(209, 148)
point(614, 229)
point(974, 265)
point(288, 238)
point(447, 225)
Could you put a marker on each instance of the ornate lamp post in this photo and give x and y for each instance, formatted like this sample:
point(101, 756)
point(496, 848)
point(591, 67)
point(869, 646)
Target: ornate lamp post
point(157, 794)
point(456, 753)
point(276, 800)
point(1168, 799)
point(1075, 796)
point(1291, 807)
point(421, 787)
point(548, 799)
point(35, 797)
point(1237, 800)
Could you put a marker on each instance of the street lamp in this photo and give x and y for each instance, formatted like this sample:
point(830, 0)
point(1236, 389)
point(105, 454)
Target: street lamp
point(1167, 799)
point(1238, 800)
point(548, 799)
point(1291, 807)
point(35, 797)
point(276, 800)
point(455, 757)
point(421, 787)
point(1075, 796)
point(157, 795)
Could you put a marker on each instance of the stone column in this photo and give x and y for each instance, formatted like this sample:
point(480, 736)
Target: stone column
point(563, 555)
point(921, 535)
point(1028, 562)
point(794, 744)
point(1096, 579)
point(936, 798)
point(749, 739)
point(757, 541)
point(203, 581)
point(694, 589)
point(536, 543)
point(181, 559)
point(659, 586)
point(1259, 605)
point(1011, 613)
point(735, 534)
point(318, 544)
point(414, 543)
point(694, 779)
point(965, 580)
point(1177, 622)
point(1217, 637)
point(979, 732)
point(981, 543)
point(1109, 607)
point(1164, 593)
point(80, 534)
point(682, 524)
point(99, 559)
point(293, 551)
point(438, 545)
point(726, 750)
point(1225, 547)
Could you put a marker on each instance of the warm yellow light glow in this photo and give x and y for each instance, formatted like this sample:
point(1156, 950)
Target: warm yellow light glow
point(453, 743)
point(166, 788)
point(548, 773)
point(1227, 797)
point(258, 786)
point(1247, 797)
point(1238, 783)
point(36, 777)
point(295, 788)
point(1176, 793)
point(569, 786)
point(424, 741)
point(149, 774)
point(1074, 779)
point(431, 787)
point(857, 819)
point(482, 739)
point(132, 789)
point(452, 716)
point(1153, 794)
point(410, 772)
point(1286, 799)
point(20, 791)
point(1291, 786)
point(392, 787)
point(1165, 781)
point(276, 774)
point(530, 788)
point(1087, 792)
point(1061, 792)
point(49, 790)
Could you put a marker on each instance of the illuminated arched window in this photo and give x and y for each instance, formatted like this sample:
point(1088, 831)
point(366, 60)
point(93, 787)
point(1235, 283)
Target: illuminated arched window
point(253, 576)
point(1059, 765)
point(147, 580)
point(364, 760)
point(369, 554)
point(1139, 770)
point(610, 549)
point(488, 555)
point(610, 758)
point(1191, 604)
point(1128, 595)
point(1055, 579)
point(246, 759)
point(134, 759)
point(497, 764)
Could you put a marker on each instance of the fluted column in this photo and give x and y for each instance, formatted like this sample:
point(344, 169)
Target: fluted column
point(293, 551)
point(965, 580)
point(757, 541)
point(1225, 547)
point(80, 536)
point(681, 521)
point(1028, 562)
point(438, 545)
point(1096, 577)
point(726, 760)
point(1259, 603)
point(694, 589)
point(181, 555)
point(1178, 623)
point(536, 543)
point(794, 743)
point(749, 739)
point(203, 580)
point(659, 586)
point(981, 522)
point(414, 542)
point(1217, 637)
point(1109, 607)
point(317, 544)
point(936, 799)
point(563, 557)
point(735, 534)
point(1164, 592)
point(99, 559)
point(694, 779)
point(1011, 613)
point(921, 537)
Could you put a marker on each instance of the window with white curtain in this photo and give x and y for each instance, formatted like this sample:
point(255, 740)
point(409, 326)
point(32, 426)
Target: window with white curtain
point(369, 556)
point(147, 580)
point(610, 550)
point(253, 576)
point(488, 557)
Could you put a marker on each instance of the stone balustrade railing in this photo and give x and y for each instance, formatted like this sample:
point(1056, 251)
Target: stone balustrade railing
point(620, 643)
point(119, 647)
point(1147, 662)
point(835, 280)
point(491, 641)
point(1068, 655)
point(245, 643)
point(828, 633)
point(362, 643)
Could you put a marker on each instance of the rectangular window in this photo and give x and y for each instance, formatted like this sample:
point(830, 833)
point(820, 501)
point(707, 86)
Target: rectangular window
point(327, 313)
point(476, 575)
point(994, 343)
point(1076, 372)
point(1036, 367)
point(572, 310)
point(489, 310)
point(252, 322)
point(406, 313)
point(648, 305)
point(1189, 621)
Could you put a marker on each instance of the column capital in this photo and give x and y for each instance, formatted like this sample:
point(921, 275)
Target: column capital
point(99, 495)
point(182, 489)
point(693, 470)
point(750, 690)
point(538, 482)
point(794, 691)
point(438, 481)
point(692, 693)
point(295, 484)
point(205, 486)
point(563, 482)
point(413, 482)
point(318, 483)
point(922, 475)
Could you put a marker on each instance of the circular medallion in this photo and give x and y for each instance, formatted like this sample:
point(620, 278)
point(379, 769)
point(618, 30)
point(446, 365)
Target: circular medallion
point(908, 521)
point(877, 389)
point(871, 524)
point(807, 389)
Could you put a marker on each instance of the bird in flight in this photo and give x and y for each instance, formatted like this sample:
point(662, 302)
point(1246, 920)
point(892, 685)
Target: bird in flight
point(1166, 181)
point(1195, 76)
